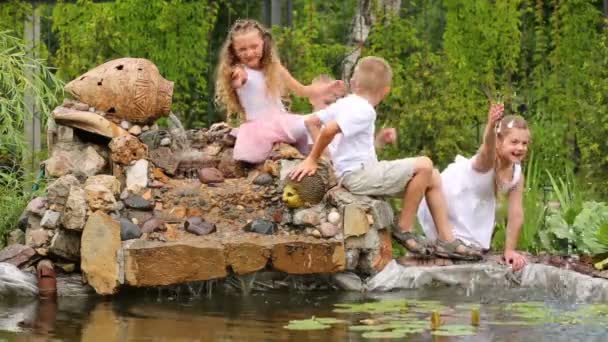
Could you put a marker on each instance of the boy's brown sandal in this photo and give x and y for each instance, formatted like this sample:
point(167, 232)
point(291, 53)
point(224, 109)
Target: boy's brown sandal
point(416, 245)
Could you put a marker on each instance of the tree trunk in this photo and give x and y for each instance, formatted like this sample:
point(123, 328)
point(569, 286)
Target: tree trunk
point(361, 25)
point(32, 124)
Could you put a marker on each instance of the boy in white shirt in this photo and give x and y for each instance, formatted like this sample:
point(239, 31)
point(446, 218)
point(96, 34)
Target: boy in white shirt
point(349, 125)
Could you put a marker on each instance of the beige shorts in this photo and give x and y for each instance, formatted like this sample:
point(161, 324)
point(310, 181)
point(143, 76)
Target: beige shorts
point(384, 178)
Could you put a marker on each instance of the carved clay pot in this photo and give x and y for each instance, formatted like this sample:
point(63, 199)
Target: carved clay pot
point(129, 89)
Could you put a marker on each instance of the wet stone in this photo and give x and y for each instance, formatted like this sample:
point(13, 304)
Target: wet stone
point(128, 230)
point(153, 224)
point(50, 219)
point(138, 202)
point(66, 244)
point(198, 226)
point(210, 175)
point(153, 138)
point(165, 142)
point(127, 148)
point(165, 159)
point(261, 227)
point(263, 179)
point(328, 230)
point(17, 254)
point(37, 205)
point(139, 215)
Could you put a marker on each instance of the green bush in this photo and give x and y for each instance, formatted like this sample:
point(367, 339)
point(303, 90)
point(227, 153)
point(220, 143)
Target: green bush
point(12, 202)
point(21, 76)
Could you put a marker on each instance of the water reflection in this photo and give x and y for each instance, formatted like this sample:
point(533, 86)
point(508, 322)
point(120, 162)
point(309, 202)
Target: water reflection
point(145, 316)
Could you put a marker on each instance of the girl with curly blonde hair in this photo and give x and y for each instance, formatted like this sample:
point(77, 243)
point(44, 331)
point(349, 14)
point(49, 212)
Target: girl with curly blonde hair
point(250, 83)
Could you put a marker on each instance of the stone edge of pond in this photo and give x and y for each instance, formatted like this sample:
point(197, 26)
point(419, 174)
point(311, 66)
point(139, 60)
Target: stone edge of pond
point(559, 282)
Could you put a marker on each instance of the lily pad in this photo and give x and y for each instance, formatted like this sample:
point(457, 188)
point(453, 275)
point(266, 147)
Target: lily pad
point(384, 334)
point(411, 330)
point(365, 327)
point(306, 324)
point(410, 324)
point(455, 330)
point(314, 323)
point(329, 320)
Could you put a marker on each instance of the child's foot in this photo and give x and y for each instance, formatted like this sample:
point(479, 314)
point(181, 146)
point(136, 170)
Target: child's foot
point(414, 244)
point(456, 249)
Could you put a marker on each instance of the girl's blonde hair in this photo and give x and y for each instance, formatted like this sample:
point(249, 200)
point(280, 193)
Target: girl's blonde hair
point(225, 96)
point(504, 126)
point(509, 122)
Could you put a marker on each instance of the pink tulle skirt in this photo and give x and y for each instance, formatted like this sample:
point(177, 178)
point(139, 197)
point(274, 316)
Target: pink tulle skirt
point(255, 138)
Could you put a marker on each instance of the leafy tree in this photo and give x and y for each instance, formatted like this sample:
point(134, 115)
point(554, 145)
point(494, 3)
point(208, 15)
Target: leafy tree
point(20, 75)
point(173, 34)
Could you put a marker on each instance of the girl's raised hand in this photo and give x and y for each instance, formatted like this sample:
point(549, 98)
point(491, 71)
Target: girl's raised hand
point(386, 136)
point(495, 113)
point(239, 76)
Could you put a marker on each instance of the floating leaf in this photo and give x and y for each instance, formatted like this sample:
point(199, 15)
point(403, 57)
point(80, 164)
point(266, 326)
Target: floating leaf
point(454, 330)
point(329, 320)
point(306, 324)
point(384, 334)
point(378, 327)
point(411, 330)
point(410, 324)
point(314, 323)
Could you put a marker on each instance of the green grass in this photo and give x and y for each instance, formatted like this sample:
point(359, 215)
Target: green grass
point(13, 200)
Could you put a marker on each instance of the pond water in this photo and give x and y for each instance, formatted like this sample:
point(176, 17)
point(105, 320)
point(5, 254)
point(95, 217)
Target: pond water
point(262, 316)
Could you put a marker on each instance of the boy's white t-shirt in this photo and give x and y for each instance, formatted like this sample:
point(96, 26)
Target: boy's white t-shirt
point(355, 146)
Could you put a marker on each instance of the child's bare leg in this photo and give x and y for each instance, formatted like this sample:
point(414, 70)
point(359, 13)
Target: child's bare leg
point(447, 244)
point(414, 191)
point(438, 207)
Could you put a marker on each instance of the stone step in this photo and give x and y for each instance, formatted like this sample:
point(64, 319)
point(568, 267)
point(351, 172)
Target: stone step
point(152, 263)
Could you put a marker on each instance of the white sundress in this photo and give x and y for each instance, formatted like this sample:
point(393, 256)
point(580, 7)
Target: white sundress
point(471, 202)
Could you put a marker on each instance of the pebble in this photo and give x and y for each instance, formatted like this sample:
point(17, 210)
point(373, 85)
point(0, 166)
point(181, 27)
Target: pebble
point(333, 217)
point(135, 130)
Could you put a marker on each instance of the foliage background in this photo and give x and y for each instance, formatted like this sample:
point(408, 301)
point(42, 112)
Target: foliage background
point(548, 59)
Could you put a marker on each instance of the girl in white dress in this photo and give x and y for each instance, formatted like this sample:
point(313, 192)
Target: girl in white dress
point(471, 187)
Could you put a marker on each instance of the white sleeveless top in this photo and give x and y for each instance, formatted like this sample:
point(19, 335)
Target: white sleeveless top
point(254, 97)
point(471, 202)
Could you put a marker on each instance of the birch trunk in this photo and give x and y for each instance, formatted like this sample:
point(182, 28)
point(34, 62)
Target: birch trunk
point(361, 25)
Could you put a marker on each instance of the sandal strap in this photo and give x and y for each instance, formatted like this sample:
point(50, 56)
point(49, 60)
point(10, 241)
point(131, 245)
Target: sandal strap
point(422, 247)
point(452, 248)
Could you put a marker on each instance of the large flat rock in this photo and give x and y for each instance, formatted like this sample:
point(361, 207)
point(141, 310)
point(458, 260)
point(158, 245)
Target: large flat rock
point(99, 248)
point(151, 263)
point(248, 252)
point(306, 255)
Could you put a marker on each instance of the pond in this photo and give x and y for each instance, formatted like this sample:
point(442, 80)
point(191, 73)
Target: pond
point(517, 314)
point(148, 315)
